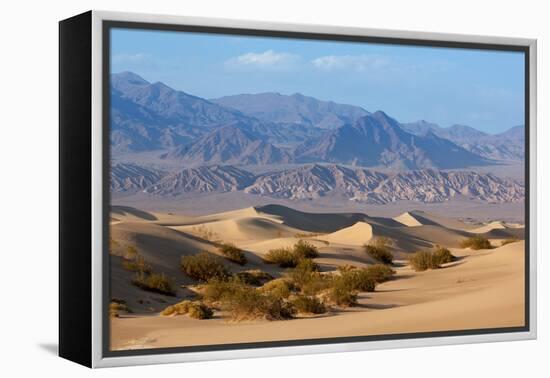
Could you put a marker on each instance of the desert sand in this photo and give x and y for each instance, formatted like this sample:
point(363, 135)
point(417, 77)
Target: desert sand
point(481, 289)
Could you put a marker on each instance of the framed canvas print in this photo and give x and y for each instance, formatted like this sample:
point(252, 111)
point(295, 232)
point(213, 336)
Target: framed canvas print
point(233, 189)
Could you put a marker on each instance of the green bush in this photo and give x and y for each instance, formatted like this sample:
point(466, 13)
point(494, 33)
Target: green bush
point(155, 282)
point(138, 264)
point(442, 255)
point(305, 250)
point(284, 257)
point(476, 242)
point(196, 310)
point(203, 266)
point(308, 305)
point(254, 277)
point(380, 272)
point(379, 249)
point(232, 253)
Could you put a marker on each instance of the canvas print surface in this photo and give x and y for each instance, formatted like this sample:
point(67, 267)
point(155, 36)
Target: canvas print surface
point(270, 189)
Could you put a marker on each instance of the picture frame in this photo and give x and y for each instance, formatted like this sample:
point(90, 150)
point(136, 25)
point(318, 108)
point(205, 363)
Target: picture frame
point(85, 193)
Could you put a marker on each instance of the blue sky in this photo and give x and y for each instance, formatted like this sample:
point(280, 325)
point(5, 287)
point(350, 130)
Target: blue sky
point(482, 89)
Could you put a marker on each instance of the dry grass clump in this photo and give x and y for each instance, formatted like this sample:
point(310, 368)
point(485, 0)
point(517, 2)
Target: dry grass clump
point(232, 253)
point(118, 307)
point(476, 242)
point(113, 244)
point(254, 277)
point(508, 241)
point(204, 232)
point(280, 288)
point(341, 293)
point(304, 250)
point(379, 249)
point(380, 272)
point(137, 264)
point(308, 305)
point(155, 282)
point(424, 260)
point(130, 253)
point(358, 280)
point(203, 266)
point(442, 255)
point(290, 257)
point(194, 309)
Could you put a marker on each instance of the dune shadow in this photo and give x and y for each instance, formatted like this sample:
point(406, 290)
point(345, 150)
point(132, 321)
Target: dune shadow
point(133, 211)
point(379, 306)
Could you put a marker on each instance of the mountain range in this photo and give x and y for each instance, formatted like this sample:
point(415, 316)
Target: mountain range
point(508, 145)
point(312, 181)
point(271, 129)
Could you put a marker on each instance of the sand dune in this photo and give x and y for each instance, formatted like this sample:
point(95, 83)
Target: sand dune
point(483, 290)
point(408, 220)
point(358, 234)
point(235, 230)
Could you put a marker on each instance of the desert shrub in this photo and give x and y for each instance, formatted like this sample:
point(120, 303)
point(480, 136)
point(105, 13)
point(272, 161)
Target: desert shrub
point(476, 242)
point(303, 272)
point(203, 266)
point(118, 307)
point(113, 244)
point(155, 282)
point(508, 241)
point(243, 301)
point(232, 253)
point(379, 249)
point(442, 255)
point(131, 252)
point(357, 280)
point(380, 272)
point(284, 257)
point(346, 268)
point(204, 232)
point(423, 260)
point(196, 310)
point(305, 250)
point(317, 284)
point(254, 277)
point(341, 293)
point(217, 289)
point(279, 288)
point(138, 264)
point(308, 305)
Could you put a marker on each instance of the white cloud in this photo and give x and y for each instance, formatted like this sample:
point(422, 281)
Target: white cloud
point(129, 58)
point(268, 59)
point(350, 62)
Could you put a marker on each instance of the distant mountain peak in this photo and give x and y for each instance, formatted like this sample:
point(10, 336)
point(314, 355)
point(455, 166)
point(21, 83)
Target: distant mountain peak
point(130, 77)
